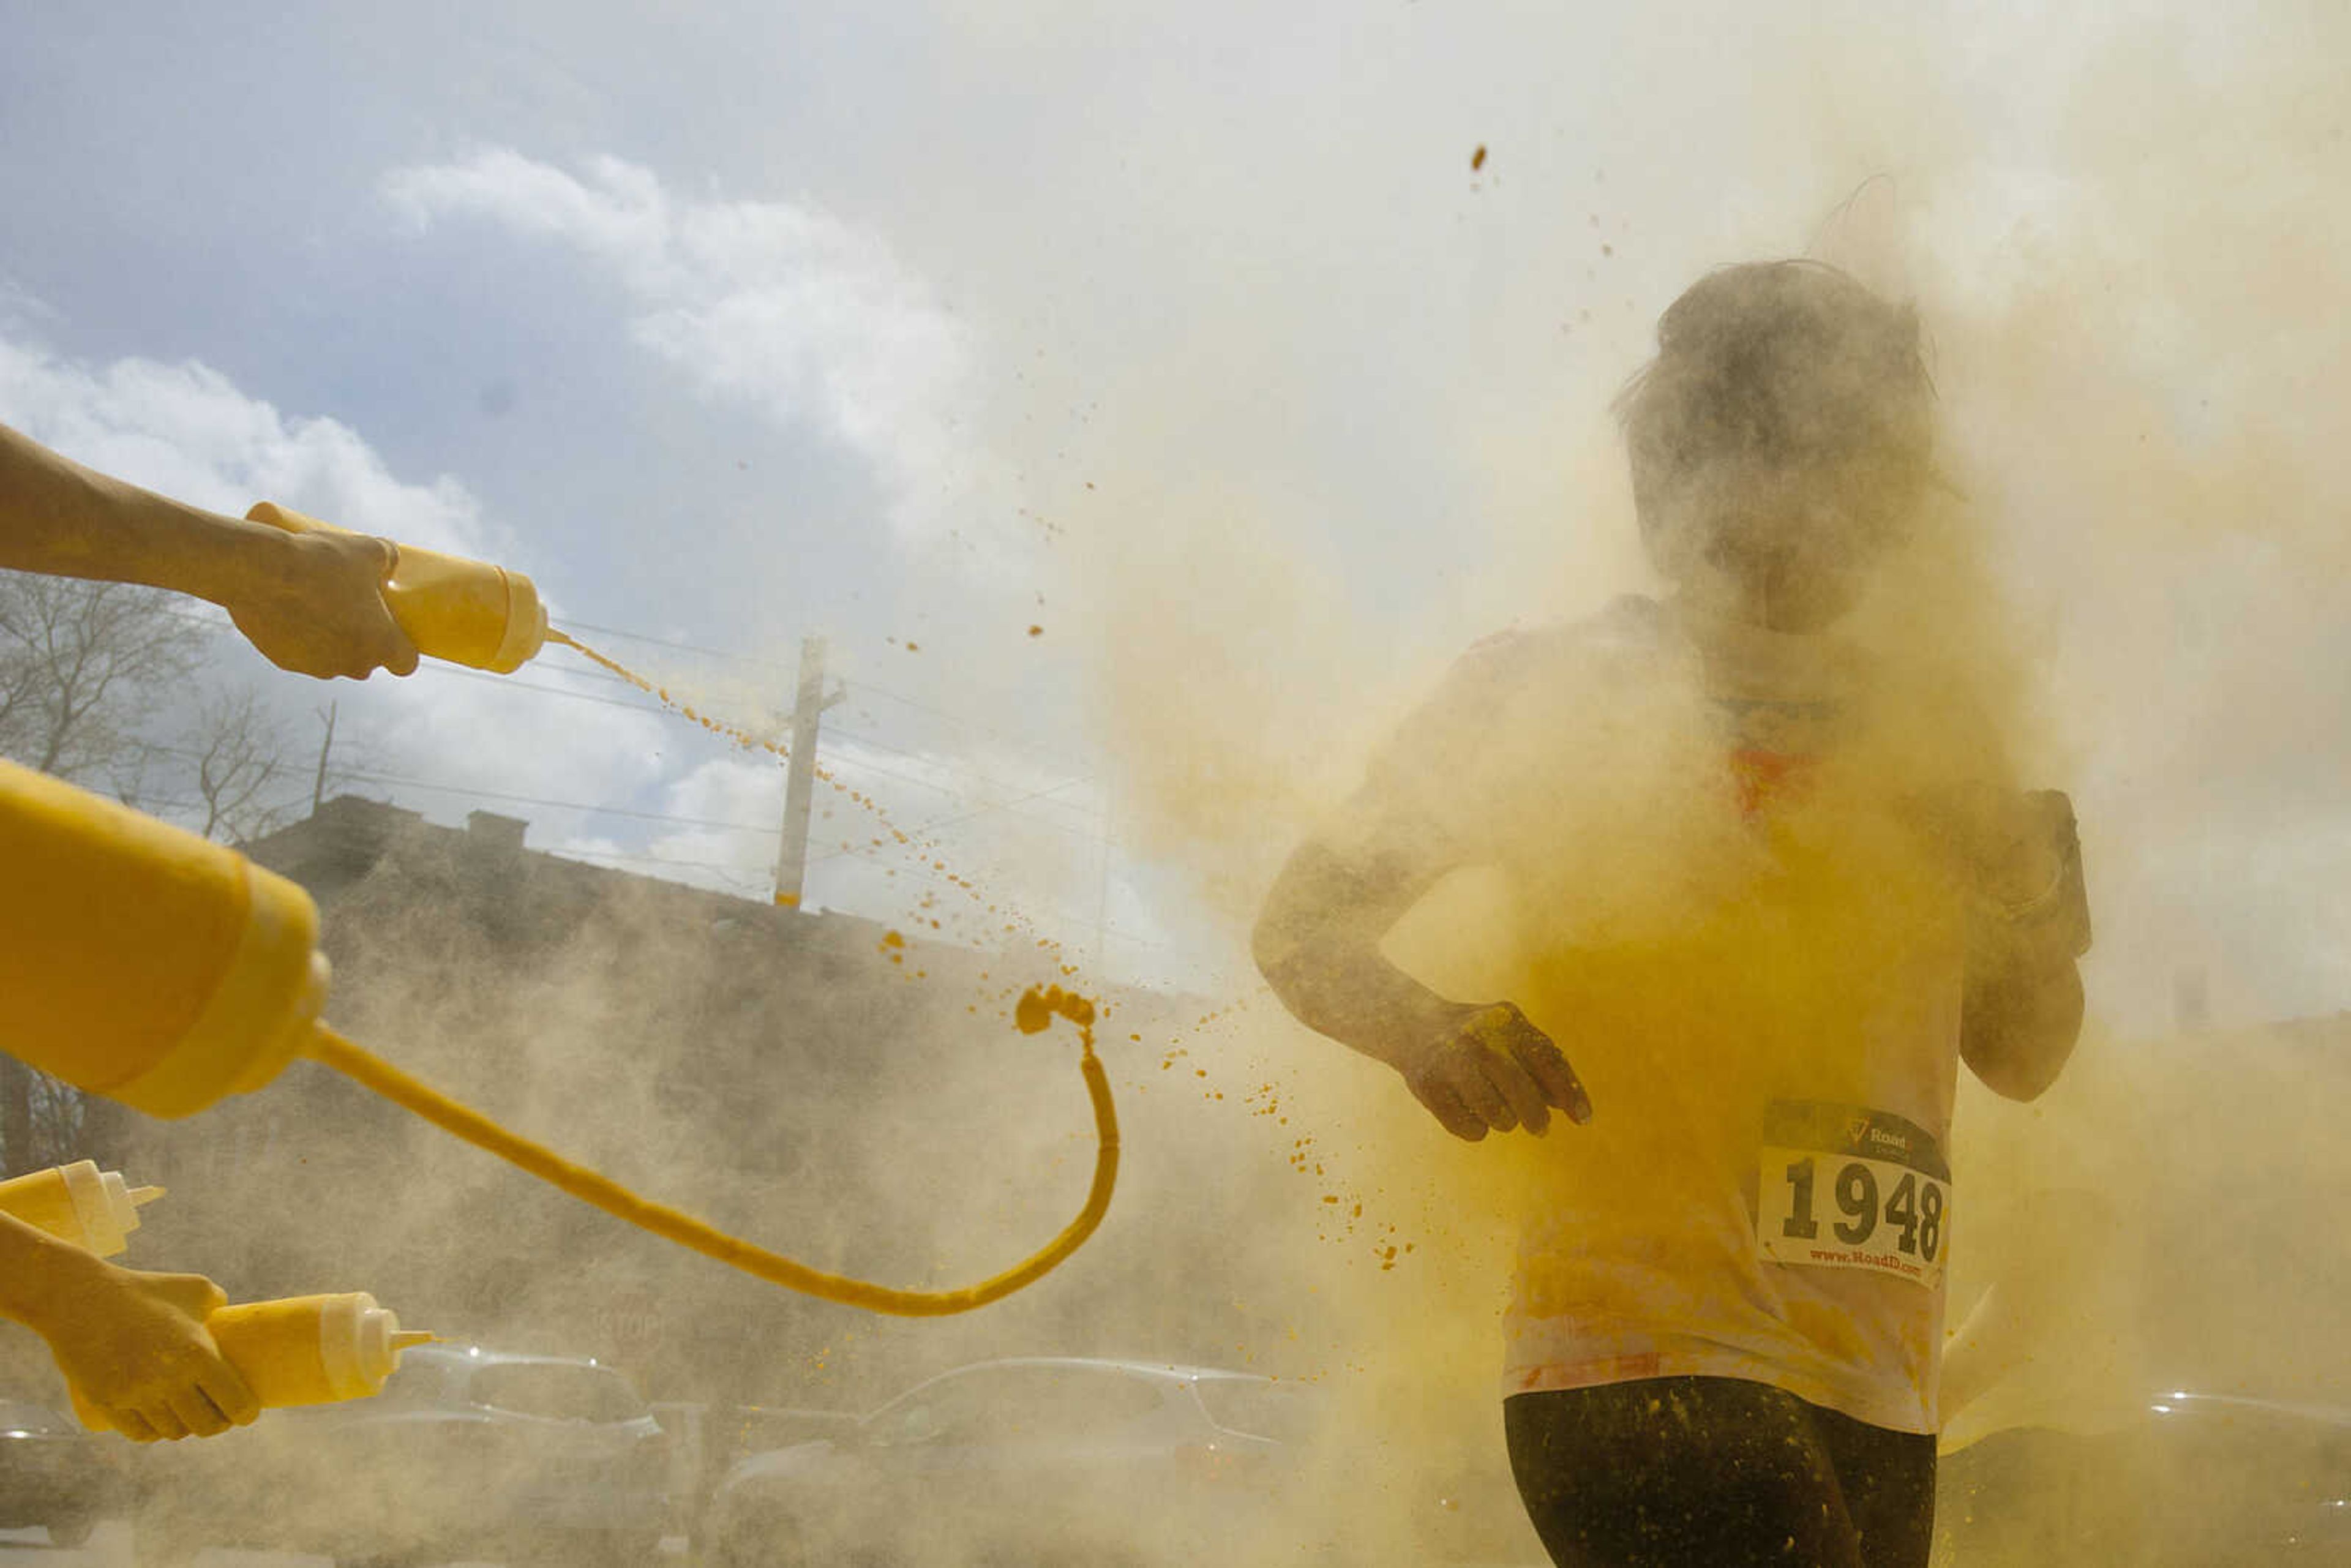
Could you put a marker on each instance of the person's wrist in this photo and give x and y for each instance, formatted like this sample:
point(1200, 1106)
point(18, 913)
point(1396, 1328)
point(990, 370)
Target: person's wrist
point(262, 564)
point(221, 559)
point(54, 1283)
point(1423, 1031)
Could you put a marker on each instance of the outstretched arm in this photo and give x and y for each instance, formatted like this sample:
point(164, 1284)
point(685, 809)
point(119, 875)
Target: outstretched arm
point(1478, 1067)
point(311, 602)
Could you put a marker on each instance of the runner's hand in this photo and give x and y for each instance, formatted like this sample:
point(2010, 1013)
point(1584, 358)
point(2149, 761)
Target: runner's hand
point(2012, 846)
point(1495, 1072)
point(136, 1348)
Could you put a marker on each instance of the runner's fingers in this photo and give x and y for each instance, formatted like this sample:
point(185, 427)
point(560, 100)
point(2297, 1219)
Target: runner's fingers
point(1504, 1031)
point(1547, 1064)
point(1526, 1100)
point(1447, 1107)
point(1466, 1075)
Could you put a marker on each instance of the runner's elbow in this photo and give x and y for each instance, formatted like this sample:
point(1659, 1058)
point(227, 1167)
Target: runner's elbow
point(2020, 1077)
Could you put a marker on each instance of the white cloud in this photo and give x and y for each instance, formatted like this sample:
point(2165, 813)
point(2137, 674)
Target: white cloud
point(781, 307)
point(186, 430)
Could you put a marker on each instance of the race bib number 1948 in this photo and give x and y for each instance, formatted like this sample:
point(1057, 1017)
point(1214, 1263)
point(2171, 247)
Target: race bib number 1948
point(1842, 1187)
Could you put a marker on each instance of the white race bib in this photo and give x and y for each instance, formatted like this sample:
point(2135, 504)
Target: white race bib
point(1842, 1187)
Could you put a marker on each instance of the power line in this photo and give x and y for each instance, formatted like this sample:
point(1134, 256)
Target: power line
point(571, 852)
point(1023, 742)
point(681, 647)
point(371, 776)
point(865, 767)
point(374, 778)
point(510, 683)
point(441, 667)
point(1072, 829)
point(936, 822)
point(964, 774)
point(986, 809)
point(963, 769)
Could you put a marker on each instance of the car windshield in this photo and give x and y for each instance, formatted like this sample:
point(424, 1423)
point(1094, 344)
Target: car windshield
point(16, 1416)
point(418, 1380)
point(555, 1390)
point(1032, 1404)
point(1258, 1410)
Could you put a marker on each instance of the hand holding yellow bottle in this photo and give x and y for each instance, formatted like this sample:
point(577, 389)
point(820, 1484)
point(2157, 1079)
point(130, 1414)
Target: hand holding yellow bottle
point(466, 612)
point(133, 1345)
point(301, 1350)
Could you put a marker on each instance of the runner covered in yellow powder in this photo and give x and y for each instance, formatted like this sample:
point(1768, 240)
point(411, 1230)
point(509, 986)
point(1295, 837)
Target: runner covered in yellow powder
point(1771, 882)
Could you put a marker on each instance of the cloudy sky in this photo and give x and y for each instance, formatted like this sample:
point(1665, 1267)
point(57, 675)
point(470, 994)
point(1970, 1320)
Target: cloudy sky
point(1191, 337)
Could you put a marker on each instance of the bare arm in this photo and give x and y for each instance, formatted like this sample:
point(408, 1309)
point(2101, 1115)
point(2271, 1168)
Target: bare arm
point(2021, 1010)
point(1476, 1066)
point(134, 1345)
point(311, 602)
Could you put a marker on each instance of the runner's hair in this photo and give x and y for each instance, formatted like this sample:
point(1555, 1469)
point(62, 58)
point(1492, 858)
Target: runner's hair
point(1779, 366)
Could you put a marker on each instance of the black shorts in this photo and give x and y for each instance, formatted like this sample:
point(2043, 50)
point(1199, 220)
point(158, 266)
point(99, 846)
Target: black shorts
point(1716, 1472)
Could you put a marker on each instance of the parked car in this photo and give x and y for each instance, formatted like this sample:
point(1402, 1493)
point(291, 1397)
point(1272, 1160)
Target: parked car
point(1041, 1460)
point(709, 1439)
point(52, 1473)
point(2199, 1481)
point(467, 1453)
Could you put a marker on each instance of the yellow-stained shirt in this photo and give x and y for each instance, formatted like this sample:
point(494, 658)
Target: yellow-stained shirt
point(1732, 911)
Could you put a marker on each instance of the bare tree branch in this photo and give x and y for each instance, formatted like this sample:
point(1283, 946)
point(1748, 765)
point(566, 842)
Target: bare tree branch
point(241, 757)
point(83, 667)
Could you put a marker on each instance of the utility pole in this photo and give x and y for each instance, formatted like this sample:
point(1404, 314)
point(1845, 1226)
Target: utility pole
point(808, 702)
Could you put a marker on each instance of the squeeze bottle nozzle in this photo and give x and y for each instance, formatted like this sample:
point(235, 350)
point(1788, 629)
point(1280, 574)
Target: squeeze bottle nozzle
point(302, 1350)
point(142, 962)
point(466, 612)
point(94, 1209)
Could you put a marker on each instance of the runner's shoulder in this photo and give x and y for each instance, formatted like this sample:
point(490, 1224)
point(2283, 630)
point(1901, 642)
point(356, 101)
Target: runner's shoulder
point(1629, 638)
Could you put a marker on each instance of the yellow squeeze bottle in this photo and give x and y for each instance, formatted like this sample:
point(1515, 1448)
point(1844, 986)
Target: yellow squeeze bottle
point(94, 1209)
point(466, 612)
point(312, 1350)
point(302, 1350)
point(142, 962)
